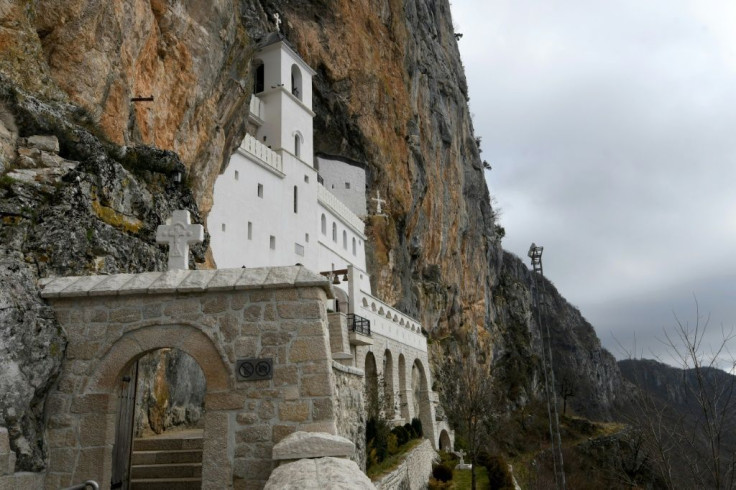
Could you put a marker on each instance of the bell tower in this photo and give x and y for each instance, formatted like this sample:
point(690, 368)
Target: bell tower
point(283, 83)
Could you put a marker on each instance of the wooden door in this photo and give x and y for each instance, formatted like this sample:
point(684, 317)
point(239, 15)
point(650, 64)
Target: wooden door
point(122, 449)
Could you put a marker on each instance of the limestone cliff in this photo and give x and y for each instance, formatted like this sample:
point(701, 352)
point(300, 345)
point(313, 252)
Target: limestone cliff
point(389, 91)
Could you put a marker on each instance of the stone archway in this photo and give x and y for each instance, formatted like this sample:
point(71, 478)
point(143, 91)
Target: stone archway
point(421, 405)
point(371, 385)
point(97, 407)
point(388, 385)
point(444, 443)
point(403, 392)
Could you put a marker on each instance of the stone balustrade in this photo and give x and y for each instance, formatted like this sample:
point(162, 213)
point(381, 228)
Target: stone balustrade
point(329, 200)
point(262, 153)
point(390, 322)
point(256, 108)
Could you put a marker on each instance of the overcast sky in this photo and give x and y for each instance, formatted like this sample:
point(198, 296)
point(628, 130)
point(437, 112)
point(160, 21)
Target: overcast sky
point(611, 130)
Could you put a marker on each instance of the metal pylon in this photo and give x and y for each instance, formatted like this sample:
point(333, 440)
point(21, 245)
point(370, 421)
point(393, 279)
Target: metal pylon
point(535, 253)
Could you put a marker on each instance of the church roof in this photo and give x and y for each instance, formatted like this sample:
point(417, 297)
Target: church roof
point(273, 38)
point(183, 281)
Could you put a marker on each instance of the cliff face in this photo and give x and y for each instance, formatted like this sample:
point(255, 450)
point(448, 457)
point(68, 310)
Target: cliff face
point(390, 92)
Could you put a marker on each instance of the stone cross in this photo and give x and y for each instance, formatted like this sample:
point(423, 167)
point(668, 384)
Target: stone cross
point(461, 453)
point(179, 233)
point(277, 21)
point(379, 201)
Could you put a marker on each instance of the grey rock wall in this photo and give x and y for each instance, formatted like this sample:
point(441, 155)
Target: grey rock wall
point(91, 208)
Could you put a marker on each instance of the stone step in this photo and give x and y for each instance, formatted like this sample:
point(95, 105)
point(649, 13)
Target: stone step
point(167, 457)
point(167, 471)
point(166, 444)
point(170, 484)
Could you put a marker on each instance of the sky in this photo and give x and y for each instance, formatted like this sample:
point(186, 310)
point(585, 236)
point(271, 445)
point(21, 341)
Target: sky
point(610, 127)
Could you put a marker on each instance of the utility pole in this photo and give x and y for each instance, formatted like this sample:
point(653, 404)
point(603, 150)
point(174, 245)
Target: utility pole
point(535, 254)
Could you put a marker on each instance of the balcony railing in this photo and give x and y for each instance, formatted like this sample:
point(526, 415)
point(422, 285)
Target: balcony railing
point(358, 324)
point(256, 108)
point(262, 153)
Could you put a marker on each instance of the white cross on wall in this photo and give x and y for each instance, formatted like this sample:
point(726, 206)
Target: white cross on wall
point(379, 202)
point(179, 233)
point(277, 21)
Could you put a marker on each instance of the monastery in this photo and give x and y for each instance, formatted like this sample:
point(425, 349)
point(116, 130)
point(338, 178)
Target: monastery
point(290, 339)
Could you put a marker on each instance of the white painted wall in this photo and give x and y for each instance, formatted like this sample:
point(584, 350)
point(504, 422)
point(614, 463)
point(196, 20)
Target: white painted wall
point(337, 174)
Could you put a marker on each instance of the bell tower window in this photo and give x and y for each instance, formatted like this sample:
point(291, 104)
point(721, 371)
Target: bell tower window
point(296, 82)
point(259, 78)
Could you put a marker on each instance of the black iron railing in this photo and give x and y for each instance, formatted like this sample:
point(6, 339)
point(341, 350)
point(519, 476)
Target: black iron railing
point(358, 324)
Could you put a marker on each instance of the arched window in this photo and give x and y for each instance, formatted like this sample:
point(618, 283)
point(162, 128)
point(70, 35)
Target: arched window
point(334, 232)
point(353, 245)
point(259, 77)
point(296, 198)
point(324, 225)
point(344, 239)
point(297, 144)
point(296, 82)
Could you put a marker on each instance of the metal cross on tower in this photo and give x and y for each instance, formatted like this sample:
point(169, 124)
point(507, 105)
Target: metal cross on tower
point(535, 253)
point(277, 21)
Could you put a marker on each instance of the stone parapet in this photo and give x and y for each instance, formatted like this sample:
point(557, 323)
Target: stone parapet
point(414, 471)
point(184, 281)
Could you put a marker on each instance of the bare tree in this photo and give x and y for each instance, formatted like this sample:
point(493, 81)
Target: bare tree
point(567, 386)
point(467, 395)
point(690, 430)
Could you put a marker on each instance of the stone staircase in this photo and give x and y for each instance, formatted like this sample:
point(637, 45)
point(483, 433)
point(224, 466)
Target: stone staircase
point(171, 461)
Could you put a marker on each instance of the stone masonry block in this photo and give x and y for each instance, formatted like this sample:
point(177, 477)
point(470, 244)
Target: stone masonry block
point(323, 409)
point(303, 445)
point(94, 430)
point(183, 308)
point(254, 433)
point(286, 375)
point(310, 349)
point(216, 304)
point(97, 403)
point(91, 461)
point(316, 385)
point(224, 401)
point(125, 315)
point(62, 459)
point(296, 411)
point(309, 309)
point(246, 347)
point(58, 438)
point(275, 338)
point(252, 313)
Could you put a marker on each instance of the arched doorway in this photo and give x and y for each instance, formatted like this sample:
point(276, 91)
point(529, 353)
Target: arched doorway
point(444, 442)
point(160, 422)
point(420, 396)
point(388, 386)
point(403, 393)
point(371, 385)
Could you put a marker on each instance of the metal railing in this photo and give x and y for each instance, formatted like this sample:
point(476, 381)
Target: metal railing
point(358, 324)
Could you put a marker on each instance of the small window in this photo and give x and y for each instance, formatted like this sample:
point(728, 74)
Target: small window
point(354, 248)
point(260, 190)
point(299, 249)
point(347, 185)
point(306, 237)
point(259, 78)
point(324, 225)
point(223, 227)
point(250, 230)
point(344, 239)
point(296, 199)
point(297, 146)
point(306, 179)
point(237, 175)
point(272, 242)
point(334, 232)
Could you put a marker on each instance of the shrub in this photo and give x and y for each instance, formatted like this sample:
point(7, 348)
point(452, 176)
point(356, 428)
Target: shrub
point(499, 476)
point(417, 426)
point(442, 472)
point(376, 435)
point(392, 444)
point(402, 436)
point(439, 485)
point(410, 431)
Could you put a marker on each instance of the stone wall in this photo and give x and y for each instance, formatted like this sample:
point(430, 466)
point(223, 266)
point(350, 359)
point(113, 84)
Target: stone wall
point(350, 408)
point(413, 473)
point(216, 317)
point(9, 479)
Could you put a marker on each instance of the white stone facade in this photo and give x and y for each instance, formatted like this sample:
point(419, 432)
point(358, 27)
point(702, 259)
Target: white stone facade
point(271, 210)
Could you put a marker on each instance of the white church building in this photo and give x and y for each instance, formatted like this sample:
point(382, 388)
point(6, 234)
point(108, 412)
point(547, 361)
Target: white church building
point(276, 204)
